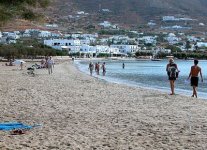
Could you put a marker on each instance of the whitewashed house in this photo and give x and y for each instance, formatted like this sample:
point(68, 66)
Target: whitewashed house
point(172, 39)
point(202, 44)
point(126, 48)
point(169, 18)
point(193, 39)
point(29, 32)
point(106, 10)
point(107, 24)
point(149, 39)
point(1, 34)
point(72, 46)
point(80, 12)
point(44, 34)
point(87, 49)
point(161, 50)
point(51, 25)
point(11, 35)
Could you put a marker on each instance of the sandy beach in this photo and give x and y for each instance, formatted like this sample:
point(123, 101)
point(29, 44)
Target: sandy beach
point(79, 112)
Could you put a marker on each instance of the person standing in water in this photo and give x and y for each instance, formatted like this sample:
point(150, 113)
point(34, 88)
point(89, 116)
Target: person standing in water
point(104, 68)
point(172, 72)
point(90, 67)
point(97, 68)
point(193, 76)
point(123, 65)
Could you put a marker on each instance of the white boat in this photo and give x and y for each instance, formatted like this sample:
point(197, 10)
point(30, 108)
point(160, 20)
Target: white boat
point(155, 59)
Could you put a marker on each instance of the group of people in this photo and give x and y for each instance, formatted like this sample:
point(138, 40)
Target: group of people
point(47, 63)
point(97, 68)
point(173, 72)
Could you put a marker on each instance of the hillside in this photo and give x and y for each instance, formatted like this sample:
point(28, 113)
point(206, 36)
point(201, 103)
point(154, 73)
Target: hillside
point(145, 7)
point(128, 13)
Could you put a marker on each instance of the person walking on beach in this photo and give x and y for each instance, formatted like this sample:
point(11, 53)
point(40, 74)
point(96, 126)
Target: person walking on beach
point(97, 68)
point(172, 72)
point(50, 65)
point(193, 76)
point(104, 68)
point(123, 65)
point(91, 68)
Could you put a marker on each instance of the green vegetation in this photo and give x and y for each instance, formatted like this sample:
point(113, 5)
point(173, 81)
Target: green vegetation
point(143, 54)
point(195, 55)
point(103, 55)
point(20, 8)
point(174, 49)
point(28, 49)
point(188, 46)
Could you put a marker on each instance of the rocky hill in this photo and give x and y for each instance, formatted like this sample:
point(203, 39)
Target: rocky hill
point(130, 11)
point(124, 12)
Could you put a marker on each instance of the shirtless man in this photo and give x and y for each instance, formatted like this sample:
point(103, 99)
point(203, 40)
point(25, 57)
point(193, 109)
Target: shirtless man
point(195, 70)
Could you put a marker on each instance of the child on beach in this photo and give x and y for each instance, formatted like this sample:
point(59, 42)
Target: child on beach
point(195, 70)
point(172, 72)
point(21, 65)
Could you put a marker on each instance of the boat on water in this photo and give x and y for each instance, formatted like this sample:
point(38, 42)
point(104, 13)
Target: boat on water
point(155, 59)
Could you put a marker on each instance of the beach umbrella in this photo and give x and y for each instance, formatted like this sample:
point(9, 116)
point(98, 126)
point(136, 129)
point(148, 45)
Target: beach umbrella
point(18, 62)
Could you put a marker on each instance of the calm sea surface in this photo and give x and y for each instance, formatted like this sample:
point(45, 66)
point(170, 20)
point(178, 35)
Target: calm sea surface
point(150, 74)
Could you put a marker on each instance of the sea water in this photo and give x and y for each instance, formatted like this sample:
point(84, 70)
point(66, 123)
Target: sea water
point(150, 74)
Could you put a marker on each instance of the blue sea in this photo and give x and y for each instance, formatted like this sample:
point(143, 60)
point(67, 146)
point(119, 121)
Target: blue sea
point(149, 74)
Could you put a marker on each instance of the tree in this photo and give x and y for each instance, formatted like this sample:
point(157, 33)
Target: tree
point(174, 49)
point(187, 46)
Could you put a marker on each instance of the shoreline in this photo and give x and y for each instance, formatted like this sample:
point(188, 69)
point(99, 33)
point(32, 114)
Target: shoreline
point(166, 90)
point(81, 112)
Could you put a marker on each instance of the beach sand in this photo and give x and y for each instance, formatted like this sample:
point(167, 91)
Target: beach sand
point(79, 112)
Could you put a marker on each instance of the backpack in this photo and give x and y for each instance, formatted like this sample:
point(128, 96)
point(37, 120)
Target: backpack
point(173, 72)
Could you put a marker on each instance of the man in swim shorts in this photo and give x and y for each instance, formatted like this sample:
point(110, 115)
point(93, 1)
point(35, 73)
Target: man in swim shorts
point(193, 76)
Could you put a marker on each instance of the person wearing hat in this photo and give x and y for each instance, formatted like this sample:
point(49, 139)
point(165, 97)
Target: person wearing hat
point(172, 72)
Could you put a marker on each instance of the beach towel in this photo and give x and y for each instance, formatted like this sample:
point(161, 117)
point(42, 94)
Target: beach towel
point(14, 125)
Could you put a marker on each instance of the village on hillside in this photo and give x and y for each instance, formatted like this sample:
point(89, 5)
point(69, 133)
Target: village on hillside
point(171, 35)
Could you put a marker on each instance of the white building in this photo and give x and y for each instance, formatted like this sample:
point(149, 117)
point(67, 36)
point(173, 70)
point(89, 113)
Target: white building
point(52, 25)
point(149, 39)
point(202, 44)
point(169, 18)
point(126, 48)
point(105, 24)
point(193, 39)
point(80, 12)
point(99, 49)
point(59, 44)
point(1, 34)
point(172, 39)
point(162, 50)
point(105, 10)
point(85, 42)
point(173, 18)
point(11, 35)
point(45, 34)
